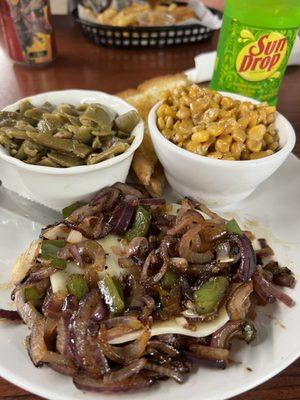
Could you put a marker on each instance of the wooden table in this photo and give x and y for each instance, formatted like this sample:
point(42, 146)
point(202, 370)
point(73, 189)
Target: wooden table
point(82, 65)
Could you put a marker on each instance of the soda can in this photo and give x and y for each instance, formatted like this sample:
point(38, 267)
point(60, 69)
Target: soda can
point(28, 31)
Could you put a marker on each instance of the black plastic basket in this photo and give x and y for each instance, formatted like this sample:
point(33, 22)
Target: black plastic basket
point(142, 37)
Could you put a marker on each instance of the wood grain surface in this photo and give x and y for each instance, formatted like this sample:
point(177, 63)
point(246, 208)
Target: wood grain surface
point(82, 65)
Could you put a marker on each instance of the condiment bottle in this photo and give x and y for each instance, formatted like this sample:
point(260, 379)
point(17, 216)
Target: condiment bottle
point(28, 31)
point(254, 46)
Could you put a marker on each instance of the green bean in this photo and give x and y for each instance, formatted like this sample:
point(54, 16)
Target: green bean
point(21, 155)
point(33, 160)
point(15, 133)
point(97, 114)
point(65, 160)
point(31, 149)
point(24, 106)
point(116, 149)
point(7, 142)
point(46, 162)
point(35, 113)
point(63, 133)
point(127, 122)
point(81, 133)
point(49, 124)
point(65, 145)
point(96, 145)
point(102, 133)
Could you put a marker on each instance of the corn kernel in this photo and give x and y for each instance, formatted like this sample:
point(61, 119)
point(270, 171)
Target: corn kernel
point(268, 138)
point(215, 129)
point(164, 110)
point(200, 105)
point(206, 145)
point(261, 154)
point(169, 122)
point(194, 147)
point(183, 112)
point(270, 118)
point(257, 132)
point(239, 135)
point(210, 115)
point(227, 103)
point(222, 146)
point(254, 145)
point(168, 133)
point(217, 97)
point(243, 122)
point(273, 146)
point(236, 149)
point(161, 123)
point(253, 117)
point(215, 154)
point(200, 136)
point(245, 155)
point(228, 156)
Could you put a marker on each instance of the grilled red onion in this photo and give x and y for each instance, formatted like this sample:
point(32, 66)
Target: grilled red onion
point(186, 252)
point(247, 265)
point(189, 218)
point(126, 353)
point(128, 190)
point(242, 329)
point(164, 348)
point(37, 346)
point(53, 303)
point(76, 255)
point(63, 369)
point(41, 273)
point(137, 245)
point(59, 231)
point(10, 315)
point(179, 264)
point(166, 371)
point(27, 311)
point(127, 372)
point(106, 198)
point(209, 353)
point(270, 292)
point(239, 302)
point(79, 332)
point(63, 339)
point(89, 384)
point(121, 218)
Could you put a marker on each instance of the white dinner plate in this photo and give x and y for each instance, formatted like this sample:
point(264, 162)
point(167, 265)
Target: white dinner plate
point(272, 211)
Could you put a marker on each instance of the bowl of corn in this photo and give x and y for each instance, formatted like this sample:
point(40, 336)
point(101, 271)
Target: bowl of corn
point(218, 147)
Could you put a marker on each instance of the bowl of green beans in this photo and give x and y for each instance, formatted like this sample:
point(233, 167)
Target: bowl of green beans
point(66, 145)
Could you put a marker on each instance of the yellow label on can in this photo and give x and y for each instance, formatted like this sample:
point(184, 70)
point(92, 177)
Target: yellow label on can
point(261, 59)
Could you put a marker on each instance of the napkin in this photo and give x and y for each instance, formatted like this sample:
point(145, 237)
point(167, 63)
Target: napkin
point(204, 64)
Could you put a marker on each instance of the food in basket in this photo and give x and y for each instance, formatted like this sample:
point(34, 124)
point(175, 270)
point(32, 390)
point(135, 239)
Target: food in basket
point(207, 123)
point(145, 163)
point(137, 14)
point(65, 135)
point(128, 290)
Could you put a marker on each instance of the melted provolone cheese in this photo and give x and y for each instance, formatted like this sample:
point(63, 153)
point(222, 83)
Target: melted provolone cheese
point(173, 327)
point(111, 245)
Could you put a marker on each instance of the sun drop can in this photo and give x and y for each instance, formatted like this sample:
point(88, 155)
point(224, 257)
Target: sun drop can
point(255, 43)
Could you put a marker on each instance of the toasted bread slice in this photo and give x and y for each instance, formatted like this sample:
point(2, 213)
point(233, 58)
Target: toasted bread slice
point(145, 163)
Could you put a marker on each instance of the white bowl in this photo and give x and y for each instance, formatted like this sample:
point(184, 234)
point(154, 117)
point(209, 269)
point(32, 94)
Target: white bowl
point(218, 182)
point(58, 187)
